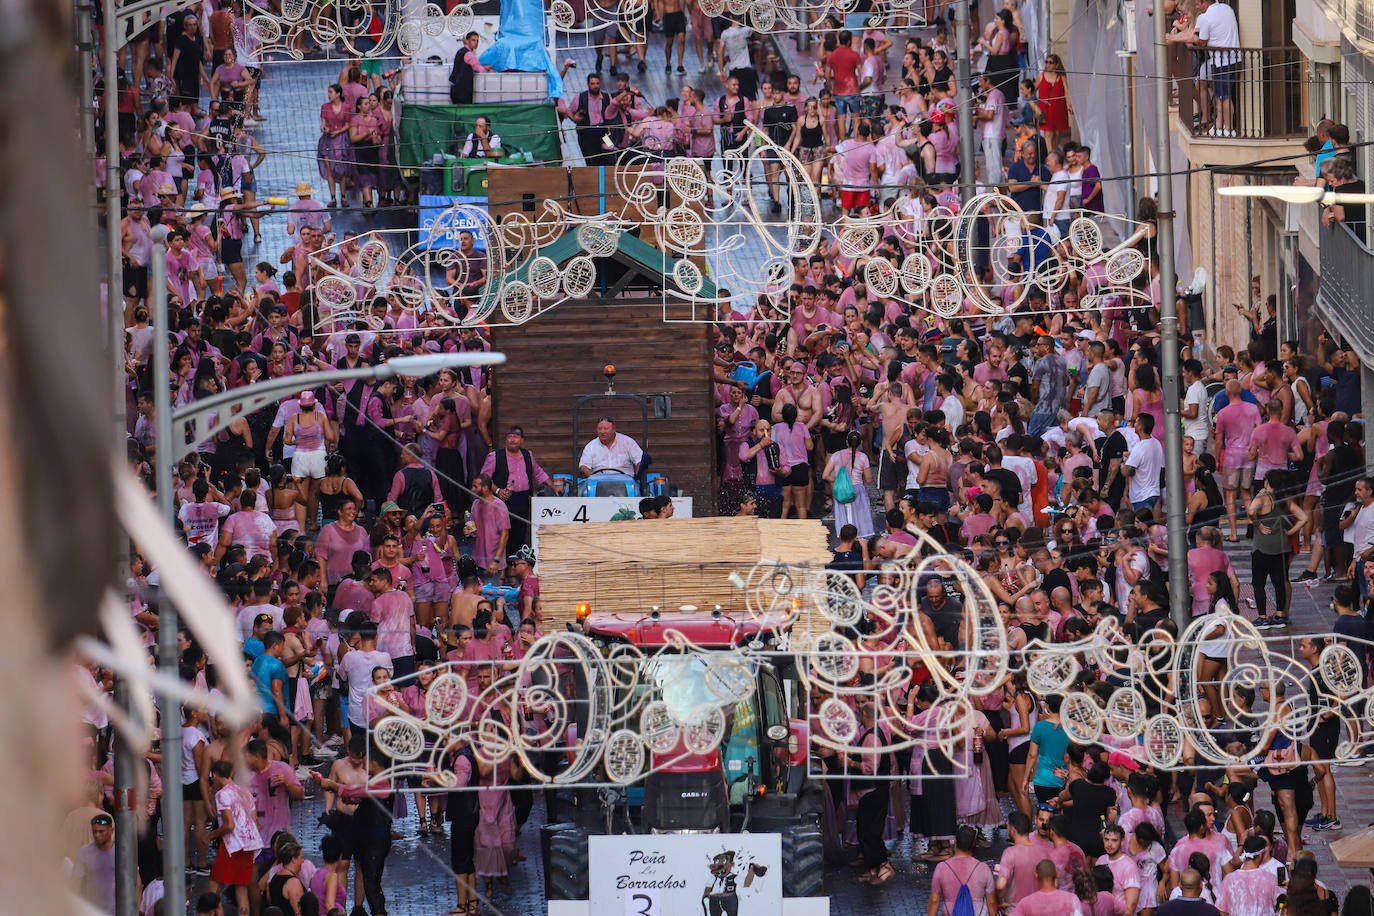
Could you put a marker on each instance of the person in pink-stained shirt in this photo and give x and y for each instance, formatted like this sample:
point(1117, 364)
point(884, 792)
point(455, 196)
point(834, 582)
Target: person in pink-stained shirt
point(991, 368)
point(1234, 426)
point(807, 316)
point(492, 521)
point(183, 268)
point(794, 443)
point(1125, 873)
point(1274, 443)
point(200, 519)
point(755, 465)
point(394, 614)
point(1048, 900)
point(238, 832)
point(251, 529)
point(488, 646)
point(338, 541)
point(962, 869)
point(1249, 890)
point(274, 786)
point(1016, 871)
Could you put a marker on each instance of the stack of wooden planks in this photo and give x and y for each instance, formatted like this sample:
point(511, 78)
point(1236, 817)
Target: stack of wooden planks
point(633, 566)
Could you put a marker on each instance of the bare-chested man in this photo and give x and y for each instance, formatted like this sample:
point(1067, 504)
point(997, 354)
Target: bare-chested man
point(800, 392)
point(462, 607)
point(892, 402)
point(349, 771)
point(674, 18)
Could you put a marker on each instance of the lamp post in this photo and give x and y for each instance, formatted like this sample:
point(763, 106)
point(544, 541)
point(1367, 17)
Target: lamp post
point(1175, 505)
point(126, 828)
point(207, 417)
point(963, 69)
point(168, 658)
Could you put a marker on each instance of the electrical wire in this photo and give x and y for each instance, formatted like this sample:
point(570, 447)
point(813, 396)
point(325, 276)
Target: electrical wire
point(1239, 168)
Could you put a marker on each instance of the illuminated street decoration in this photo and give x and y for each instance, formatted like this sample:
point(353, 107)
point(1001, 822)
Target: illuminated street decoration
point(400, 26)
point(609, 707)
point(708, 225)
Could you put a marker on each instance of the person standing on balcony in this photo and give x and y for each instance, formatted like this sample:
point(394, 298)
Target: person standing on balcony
point(1340, 177)
point(1217, 31)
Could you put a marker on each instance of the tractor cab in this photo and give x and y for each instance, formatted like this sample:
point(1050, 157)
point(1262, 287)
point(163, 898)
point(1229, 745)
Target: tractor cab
point(752, 779)
point(761, 751)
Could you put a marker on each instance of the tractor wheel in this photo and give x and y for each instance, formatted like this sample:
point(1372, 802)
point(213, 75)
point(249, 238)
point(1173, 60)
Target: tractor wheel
point(565, 862)
point(802, 860)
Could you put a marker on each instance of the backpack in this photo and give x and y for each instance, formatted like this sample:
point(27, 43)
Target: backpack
point(843, 490)
point(963, 900)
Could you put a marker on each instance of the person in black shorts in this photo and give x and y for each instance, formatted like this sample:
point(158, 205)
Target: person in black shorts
point(1325, 736)
point(780, 124)
point(674, 26)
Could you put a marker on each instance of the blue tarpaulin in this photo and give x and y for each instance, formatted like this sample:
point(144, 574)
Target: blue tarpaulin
point(520, 43)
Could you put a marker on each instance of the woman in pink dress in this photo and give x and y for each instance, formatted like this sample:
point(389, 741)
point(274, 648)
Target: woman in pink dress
point(734, 420)
point(334, 152)
point(388, 173)
point(338, 541)
point(495, 848)
point(1147, 397)
point(365, 133)
point(975, 798)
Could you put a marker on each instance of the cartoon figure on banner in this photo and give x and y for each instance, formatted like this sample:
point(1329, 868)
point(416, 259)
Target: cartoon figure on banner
point(721, 895)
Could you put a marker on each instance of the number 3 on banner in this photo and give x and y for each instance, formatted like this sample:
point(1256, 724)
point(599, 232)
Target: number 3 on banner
point(642, 903)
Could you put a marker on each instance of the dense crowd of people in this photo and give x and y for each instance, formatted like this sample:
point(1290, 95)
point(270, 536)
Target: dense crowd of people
point(866, 130)
point(365, 533)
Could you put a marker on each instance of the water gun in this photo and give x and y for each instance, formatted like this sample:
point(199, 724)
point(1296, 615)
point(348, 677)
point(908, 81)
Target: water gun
point(509, 592)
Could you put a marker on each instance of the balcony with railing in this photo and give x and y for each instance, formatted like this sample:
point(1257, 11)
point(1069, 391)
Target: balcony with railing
point(1347, 276)
point(1355, 17)
point(1267, 93)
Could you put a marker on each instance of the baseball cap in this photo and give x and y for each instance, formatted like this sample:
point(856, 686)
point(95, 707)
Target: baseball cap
point(1122, 759)
point(1085, 335)
point(307, 398)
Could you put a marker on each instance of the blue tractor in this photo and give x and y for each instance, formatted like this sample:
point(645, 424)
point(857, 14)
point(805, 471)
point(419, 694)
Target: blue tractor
point(608, 481)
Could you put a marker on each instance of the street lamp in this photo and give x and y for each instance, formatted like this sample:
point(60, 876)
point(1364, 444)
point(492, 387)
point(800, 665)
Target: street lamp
point(1296, 194)
point(205, 418)
point(208, 416)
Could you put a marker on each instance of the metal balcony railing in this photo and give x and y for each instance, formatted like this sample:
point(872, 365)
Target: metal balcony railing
point(1267, 93)
point(1347, 276)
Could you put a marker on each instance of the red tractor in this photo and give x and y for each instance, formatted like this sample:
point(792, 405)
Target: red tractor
point(753, 780)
